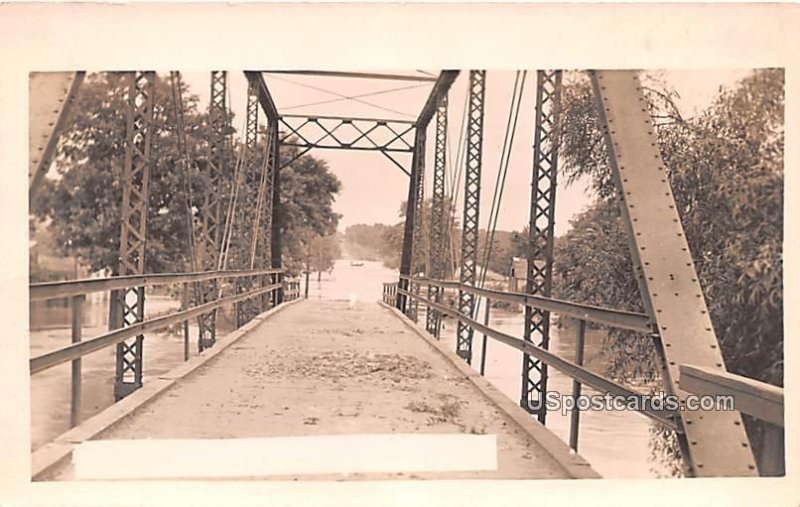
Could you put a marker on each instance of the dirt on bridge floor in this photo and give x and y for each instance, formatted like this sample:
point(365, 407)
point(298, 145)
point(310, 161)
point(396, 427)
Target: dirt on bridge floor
point(325, 367)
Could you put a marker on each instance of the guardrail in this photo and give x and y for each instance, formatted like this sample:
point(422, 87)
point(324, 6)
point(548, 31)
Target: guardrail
point(752, 397)
point(390, 293)
point(573, 369)
point(267, 285)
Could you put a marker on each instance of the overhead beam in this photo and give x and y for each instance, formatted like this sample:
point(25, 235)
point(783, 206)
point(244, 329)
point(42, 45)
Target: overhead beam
point(442, 86)
point(359, 75)
point(346, 119)
point(264, 97)
point(52, 95)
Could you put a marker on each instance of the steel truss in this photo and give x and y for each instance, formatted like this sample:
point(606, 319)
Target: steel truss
point(539, 276)
point(418, 250)
point(439, 236)
point(249, 199)
point(412, 211)
point(210, 213)
point(713, 443)
point(128, 304)
point(472, 192)
point(361, 134)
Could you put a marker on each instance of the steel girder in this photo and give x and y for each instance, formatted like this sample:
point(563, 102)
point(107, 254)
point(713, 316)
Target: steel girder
point(472, 192)
point(439, 236)
point(539, 275)
point(128, 308)
point(418, 250)
point(713, 443)
point(210, 210)
point(390, 137)
point(276, 239)
point(407, 256)
point(250, 195)
point(51, 97)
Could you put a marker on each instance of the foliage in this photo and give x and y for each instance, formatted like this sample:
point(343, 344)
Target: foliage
point(725, 167)
point(368, 242)
point(82, 206)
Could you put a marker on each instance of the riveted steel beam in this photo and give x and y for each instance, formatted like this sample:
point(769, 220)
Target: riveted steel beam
point(128, 304)
point(472, 193)
point(357, 75)
point(442, 86)
point(439, 236)
point(264, 96)
point(419, 249)
point(412, 210)
point(51, 97)
point(539, 274)
point(714, 442)
point(210, 213)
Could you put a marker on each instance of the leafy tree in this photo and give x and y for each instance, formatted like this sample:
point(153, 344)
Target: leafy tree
point(725, 167)
point(82, 206)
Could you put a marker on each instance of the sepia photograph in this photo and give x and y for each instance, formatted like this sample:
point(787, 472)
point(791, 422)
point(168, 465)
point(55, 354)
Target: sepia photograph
point(534, 274)
point(392, 277)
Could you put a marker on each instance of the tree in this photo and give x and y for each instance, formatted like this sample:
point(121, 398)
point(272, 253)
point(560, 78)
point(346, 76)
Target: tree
point(307, 194)
point(82, 206)
point(726, 171)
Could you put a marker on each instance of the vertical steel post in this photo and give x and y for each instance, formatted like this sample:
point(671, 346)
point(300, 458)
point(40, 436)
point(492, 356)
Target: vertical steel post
point(472, 192)
point(185, 306)
point(574, 421)
point(439, 235)
point(249, 201)
point(540, 236)
point(418, 251)
point(713, 442)
point(77, 325)
point(276, 242)
point(483, 344)
point(210, 212)
point(406, 259)
point(133, 230)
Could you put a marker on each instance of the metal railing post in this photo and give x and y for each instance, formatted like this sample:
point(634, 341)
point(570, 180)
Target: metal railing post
point(185, 306)
point(483, 344)
point(575, 416)
point(77, 324)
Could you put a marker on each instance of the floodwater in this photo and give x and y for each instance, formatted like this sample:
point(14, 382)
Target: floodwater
point(615, 443)
point(50, 389)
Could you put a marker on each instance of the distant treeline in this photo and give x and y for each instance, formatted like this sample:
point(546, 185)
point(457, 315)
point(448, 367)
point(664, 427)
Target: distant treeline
point(381, 242)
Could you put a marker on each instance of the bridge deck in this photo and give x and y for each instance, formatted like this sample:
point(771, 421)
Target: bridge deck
point(326, 367)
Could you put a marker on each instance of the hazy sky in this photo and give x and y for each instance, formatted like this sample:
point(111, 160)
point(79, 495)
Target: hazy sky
point(373, 188)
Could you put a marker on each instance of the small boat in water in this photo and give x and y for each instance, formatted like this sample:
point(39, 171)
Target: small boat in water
point(354, 263)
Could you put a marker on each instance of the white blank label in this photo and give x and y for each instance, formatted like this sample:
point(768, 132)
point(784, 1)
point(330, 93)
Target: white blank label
point(243, 457)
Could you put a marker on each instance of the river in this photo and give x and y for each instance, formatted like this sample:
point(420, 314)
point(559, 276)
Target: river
point(615, 443)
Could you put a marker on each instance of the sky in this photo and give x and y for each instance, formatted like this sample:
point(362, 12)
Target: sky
point(373, 188)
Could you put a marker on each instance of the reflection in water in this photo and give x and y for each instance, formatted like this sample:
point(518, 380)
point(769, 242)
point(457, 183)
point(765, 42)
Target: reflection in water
point(615, 443)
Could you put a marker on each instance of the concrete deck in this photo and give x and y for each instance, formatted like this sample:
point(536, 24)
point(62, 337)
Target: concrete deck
point(326, 367)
